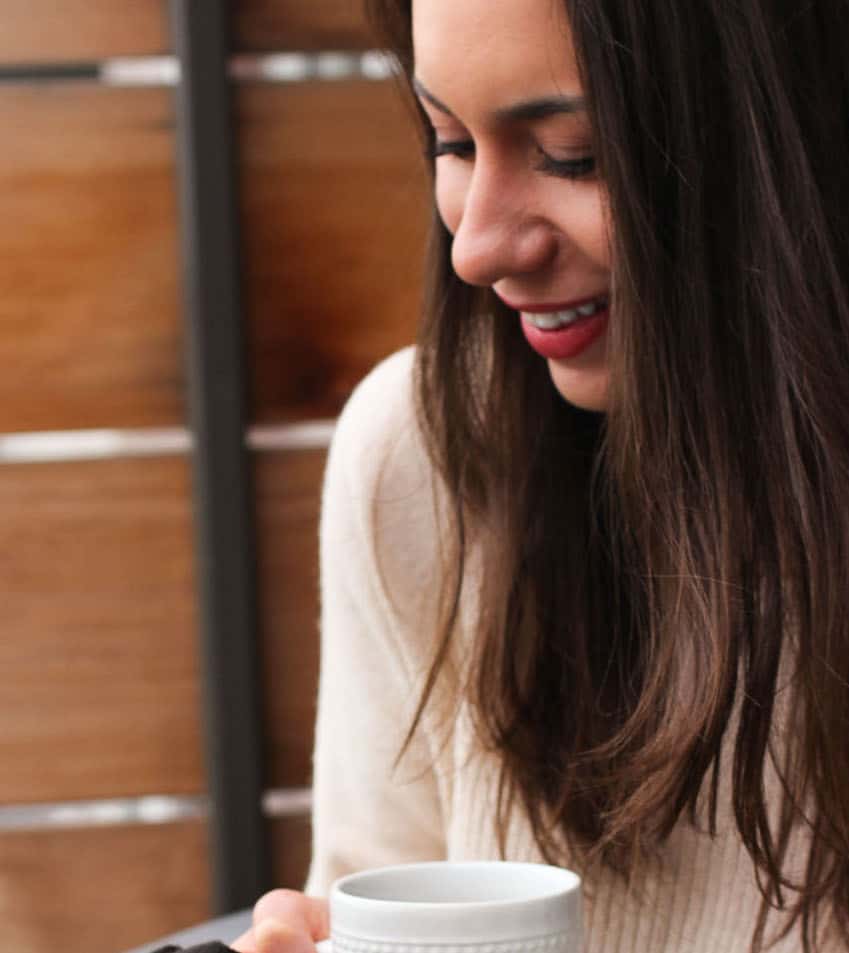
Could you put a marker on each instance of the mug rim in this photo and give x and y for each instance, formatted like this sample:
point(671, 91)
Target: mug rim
point(553, 912)
point(572, 882)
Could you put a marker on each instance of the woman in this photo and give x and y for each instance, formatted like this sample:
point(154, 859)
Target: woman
point(595, 555)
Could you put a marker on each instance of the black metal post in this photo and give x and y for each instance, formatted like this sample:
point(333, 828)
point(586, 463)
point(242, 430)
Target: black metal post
point(223, 496)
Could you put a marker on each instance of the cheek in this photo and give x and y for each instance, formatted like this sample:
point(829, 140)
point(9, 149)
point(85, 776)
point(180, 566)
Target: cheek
point(588, 227)
point(449, 193)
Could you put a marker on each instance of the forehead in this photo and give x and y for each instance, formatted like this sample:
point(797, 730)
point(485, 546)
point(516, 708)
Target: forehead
point(507, 49)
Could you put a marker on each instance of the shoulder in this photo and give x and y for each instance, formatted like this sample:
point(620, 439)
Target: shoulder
point(378, 413)
point(381, 495)
point(377, 450)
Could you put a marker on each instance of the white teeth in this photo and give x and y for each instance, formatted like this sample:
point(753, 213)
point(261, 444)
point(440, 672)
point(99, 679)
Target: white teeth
point(547, 322)
point(560, 319)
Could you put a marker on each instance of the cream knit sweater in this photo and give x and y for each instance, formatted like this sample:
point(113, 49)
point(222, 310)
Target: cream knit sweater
point(379, 579)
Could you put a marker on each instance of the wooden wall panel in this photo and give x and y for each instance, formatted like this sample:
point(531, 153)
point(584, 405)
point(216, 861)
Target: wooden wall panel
point(288, 489)
point(100, 890)
point(90, 333)
point(335, 208)
point(290, 851)
point(99, 695)
point(105, 889)
point(263, 25)
point(37, 31)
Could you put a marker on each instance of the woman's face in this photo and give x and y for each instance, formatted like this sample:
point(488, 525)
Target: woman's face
point(515, 178)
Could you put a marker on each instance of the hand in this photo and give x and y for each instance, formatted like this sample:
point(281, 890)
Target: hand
point(285, 921)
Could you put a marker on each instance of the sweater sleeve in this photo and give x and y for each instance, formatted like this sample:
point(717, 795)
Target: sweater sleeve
point(367, 811)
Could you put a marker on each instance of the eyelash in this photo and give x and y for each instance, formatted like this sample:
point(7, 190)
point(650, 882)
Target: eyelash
point(461, 148)
point(559, 168)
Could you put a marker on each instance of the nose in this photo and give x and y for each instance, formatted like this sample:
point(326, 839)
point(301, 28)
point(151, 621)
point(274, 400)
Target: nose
point(500, 234)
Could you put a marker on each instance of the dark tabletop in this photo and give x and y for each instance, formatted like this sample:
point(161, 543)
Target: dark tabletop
point(225, 929)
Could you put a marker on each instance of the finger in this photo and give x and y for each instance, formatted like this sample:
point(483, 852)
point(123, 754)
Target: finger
point(272, 936)
point(308, 914)
point(246, 943)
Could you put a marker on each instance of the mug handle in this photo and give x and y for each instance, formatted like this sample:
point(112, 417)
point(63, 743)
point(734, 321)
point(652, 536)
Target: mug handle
point(324, 946)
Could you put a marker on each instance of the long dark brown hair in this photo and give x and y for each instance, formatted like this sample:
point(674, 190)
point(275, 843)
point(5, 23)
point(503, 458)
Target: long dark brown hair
point(654, 576)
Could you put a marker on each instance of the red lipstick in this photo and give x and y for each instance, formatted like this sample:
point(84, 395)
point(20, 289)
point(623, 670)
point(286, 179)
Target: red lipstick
point(567, 341)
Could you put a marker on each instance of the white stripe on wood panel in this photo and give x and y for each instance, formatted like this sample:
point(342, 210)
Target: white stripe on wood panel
point(309, 435)
point(103, 813)
point(152, 809)
point(287, 802)
point(66, 446)
point(140, 71)
point(327, 66)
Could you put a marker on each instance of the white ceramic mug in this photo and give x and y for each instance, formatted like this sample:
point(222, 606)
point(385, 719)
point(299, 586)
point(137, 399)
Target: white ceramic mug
point(456, 907)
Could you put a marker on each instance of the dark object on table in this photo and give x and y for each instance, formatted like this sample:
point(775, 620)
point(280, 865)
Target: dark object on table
point(202, 936)
point(214, 947)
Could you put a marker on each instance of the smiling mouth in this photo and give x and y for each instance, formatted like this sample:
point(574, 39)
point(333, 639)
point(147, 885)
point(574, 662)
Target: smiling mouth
point(563, 317)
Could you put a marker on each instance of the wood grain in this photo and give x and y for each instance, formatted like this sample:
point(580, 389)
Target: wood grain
point(101, 692)
point(288, 488)
point(90, 331)
point(99, 695)
point(43, 31)
point(334, 210)
point(291, 846)
point(99, 890)
point(103, 889)
point(262, 25)
point(36, 31)
point(335, 206)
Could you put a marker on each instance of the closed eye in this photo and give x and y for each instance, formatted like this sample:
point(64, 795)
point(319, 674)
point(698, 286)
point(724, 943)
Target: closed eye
point(462, 148)
point(566, 168)
point(580, 168)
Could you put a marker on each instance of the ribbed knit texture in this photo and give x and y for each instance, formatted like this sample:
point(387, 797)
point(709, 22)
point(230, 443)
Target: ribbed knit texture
point(380, 558)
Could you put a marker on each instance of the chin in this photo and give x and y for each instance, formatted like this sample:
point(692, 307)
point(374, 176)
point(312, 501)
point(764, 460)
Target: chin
point(585, 388)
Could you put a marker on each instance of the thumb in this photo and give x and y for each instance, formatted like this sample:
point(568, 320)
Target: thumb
point(309, 915)
point(273, 936)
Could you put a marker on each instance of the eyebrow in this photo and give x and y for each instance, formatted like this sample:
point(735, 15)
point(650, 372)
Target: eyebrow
point(527, 110)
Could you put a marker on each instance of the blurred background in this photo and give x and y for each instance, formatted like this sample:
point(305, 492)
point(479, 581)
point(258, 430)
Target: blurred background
point(170, 378)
